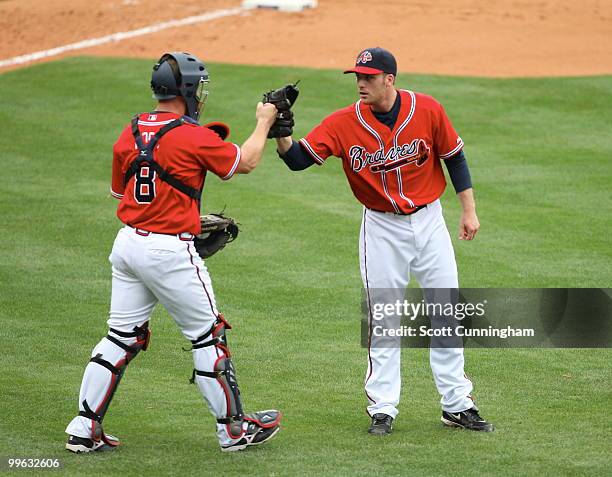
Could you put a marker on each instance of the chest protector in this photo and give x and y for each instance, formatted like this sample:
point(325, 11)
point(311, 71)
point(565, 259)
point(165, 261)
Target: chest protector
point(145, 158)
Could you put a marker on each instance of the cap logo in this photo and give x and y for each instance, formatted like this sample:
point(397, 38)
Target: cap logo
point(364, 57)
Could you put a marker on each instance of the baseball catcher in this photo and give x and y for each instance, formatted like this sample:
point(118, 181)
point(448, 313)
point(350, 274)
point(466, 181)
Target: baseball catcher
point(283, 98)
point(160, 162)
point(217, 231)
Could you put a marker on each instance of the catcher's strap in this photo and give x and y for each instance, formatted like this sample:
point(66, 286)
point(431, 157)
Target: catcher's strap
point(283, 98)
point(146, 158)
point(217, 231)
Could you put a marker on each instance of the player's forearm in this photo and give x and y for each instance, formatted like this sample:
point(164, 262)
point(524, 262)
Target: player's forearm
point(468, 223)
point(466, 198)
point(283, 144)
point(295, 158)
point(252, 149)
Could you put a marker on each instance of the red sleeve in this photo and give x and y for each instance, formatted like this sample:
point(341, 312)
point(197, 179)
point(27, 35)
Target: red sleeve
point(447, 141)
point(117, 186)
point(322, 142)
point(216, 155)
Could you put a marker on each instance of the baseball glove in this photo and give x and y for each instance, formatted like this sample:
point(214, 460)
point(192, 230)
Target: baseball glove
point(221, 129)
point(283, 98)
point(217, 231)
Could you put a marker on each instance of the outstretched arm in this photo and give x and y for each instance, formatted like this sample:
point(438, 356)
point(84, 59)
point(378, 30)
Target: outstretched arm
point(252, 149)
point(292, 154)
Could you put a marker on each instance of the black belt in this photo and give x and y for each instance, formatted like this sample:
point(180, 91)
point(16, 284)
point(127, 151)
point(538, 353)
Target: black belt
point(419, 207)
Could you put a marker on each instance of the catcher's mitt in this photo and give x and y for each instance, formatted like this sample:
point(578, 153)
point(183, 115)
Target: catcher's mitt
point(217, 231)
point(221, 129)
point(283, 98)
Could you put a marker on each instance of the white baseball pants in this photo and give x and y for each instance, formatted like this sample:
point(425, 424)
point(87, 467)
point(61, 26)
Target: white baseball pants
point(391, 247)
point(148, 268)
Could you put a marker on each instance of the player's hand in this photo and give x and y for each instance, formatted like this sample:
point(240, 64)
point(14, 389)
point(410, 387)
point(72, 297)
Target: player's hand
point(266, 113)
point(468, 225)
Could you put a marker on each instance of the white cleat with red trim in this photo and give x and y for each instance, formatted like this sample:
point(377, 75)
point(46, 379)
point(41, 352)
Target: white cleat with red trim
point(80, 445)
point(261, 427)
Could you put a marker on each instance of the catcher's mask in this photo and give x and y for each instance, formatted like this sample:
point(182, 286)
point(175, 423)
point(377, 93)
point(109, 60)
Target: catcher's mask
point(181, 74)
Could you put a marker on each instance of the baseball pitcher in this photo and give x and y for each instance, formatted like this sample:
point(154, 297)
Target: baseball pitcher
point(392, 144)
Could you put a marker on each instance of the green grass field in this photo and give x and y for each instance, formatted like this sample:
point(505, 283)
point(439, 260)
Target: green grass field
point(540, 153)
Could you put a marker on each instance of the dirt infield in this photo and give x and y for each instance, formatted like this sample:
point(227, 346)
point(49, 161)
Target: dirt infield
point(461, 37)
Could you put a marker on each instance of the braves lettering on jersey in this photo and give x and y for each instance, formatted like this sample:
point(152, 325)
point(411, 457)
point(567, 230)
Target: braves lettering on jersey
point(187, 152)
point(390, 170)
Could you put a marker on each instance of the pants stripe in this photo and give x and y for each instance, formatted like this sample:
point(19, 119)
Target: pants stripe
point(365, 265)
point(201, 281)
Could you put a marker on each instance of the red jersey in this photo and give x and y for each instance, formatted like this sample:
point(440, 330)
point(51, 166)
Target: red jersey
point(389, 170)
point(186, 152)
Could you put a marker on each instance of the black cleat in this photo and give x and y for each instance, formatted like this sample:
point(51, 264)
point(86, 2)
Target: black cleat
point(468, 419)
point(382, 425)
point(261, 427)
point(80, 445)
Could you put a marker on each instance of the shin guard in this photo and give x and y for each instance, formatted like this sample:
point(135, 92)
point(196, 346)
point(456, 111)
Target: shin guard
point(104, 372)
point(215, 375)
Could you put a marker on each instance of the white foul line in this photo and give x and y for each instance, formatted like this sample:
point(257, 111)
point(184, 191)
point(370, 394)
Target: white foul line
point(123, 35)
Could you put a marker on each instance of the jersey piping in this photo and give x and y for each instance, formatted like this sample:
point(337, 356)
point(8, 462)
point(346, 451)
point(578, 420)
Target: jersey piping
point(398, 171)
point(383, 174)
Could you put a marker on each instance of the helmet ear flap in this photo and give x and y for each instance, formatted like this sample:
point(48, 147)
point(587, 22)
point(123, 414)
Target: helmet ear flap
point(189, 90)
point(163, 81)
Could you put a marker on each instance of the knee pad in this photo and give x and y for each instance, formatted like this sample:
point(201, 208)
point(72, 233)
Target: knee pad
point(113, 353)
point(224, 372)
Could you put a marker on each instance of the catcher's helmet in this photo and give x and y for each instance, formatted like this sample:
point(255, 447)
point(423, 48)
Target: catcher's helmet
point(181, 74)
